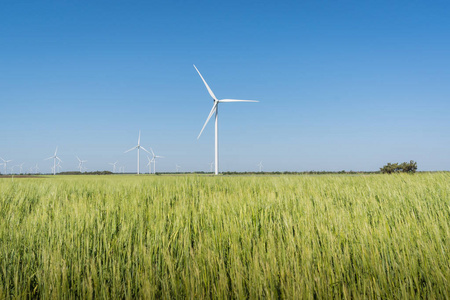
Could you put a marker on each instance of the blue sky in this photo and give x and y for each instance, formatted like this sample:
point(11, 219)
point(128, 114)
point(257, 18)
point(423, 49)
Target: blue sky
point(342, 84)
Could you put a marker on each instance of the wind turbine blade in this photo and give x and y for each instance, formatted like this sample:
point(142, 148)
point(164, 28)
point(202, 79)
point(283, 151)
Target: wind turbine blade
point(209, 117)
point(131, 149)
point(139, 138)
point(78, 159)
point(159, 156)
point(49, 158)
point(145, 150)
point(207, 86)
point(58, 159)
point(153, 153)
point(235, 100)
point(56, 150)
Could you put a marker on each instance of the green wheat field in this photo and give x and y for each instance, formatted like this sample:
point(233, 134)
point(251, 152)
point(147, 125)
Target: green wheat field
point(308, 237)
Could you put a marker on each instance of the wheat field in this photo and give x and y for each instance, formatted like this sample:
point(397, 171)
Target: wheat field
point(309, 237)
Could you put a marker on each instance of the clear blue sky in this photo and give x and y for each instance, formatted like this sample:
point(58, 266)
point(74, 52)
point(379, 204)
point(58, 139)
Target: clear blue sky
point(342, 84)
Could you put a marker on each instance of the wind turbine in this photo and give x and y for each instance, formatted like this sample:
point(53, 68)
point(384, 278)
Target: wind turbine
point(154, 160)
point(138, 147)
point(54, 160)
point(5, 163)
point(177, 167)
point(260, 165)
point(215, 109)
point(149, 164)
point(114, 166)
point(36, 168)
point(58, 165)
point(211, 164)
point(20, 168)
point(80, 163)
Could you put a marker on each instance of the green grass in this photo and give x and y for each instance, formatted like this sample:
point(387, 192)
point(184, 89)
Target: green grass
point(373, 236)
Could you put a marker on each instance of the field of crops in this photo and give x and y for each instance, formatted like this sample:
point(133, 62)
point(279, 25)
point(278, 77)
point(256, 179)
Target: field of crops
point(330, 236)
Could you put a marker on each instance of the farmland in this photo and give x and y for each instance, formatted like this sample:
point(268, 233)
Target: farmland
point(329, 236)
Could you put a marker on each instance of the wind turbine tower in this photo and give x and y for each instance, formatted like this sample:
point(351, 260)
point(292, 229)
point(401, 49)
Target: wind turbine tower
point(114, 166)
point(80, 163)
point(138, 147)
point(215, 109)
point(55, 157)
point(5, 163)
point(260, 165)
point(154, 160)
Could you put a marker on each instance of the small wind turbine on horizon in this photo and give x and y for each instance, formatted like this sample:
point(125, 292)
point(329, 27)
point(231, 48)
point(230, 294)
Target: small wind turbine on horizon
point(177, 167)
point(114, 166)
point(20, 167)
point(80, 164)
point(5, 164)
point(55, 157)
point(154, 160)
point(138, 147)
point(211, 164)
point(260, 165)
point(215, 109)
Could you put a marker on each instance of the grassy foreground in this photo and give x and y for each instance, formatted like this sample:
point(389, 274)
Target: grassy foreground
point(376, 236)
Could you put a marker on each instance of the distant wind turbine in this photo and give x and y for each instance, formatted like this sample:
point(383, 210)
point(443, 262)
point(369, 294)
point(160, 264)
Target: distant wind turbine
point(138, 147)
point(20, 168)
point(177, 167)
point(5, 163)
point(149, 165)
point(80, 164)
point(260, 165)
point(114, 166)
point(211, 164)
point(215, 109)
point(154, 160)
point(55, 157)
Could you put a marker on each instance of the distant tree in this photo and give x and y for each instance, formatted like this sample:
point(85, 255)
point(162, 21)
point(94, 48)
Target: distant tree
point(389, 168)
point(410, 167)
point(405, 167)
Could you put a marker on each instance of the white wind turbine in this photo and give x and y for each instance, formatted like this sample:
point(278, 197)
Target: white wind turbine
point(177, 167)
point(215, 109)
point(260, 165)
point(211, 164)
point(20, 168)
point(58, 166)
point(54, 161)
point(36, 168)
point(114, 166)
point(154, 160)
point(149, 164)
point(5, 163)
point(138, 147)
point(80, 164)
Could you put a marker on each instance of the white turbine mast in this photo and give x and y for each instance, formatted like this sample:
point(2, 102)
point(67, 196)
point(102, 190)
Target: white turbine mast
point(55, 158)
point(138, 147)
point(260, 165)
point(154, 160)
point(149, 164)
point(114, 166)
point(215, 109)
point(80, 164)
point(5, 164)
